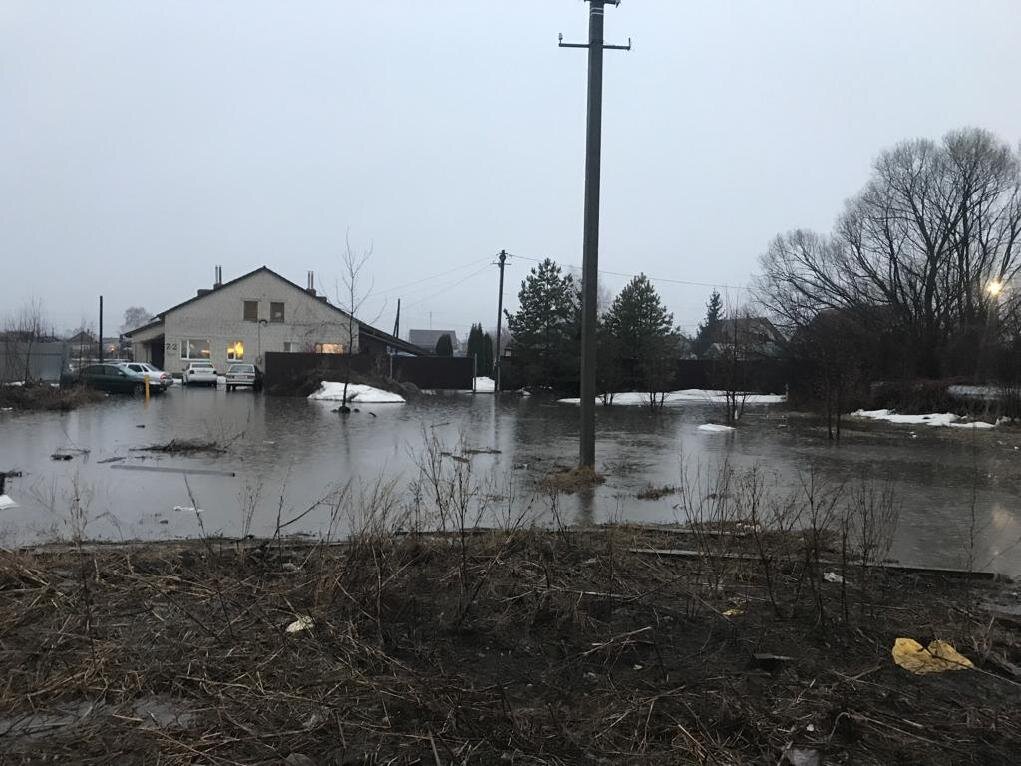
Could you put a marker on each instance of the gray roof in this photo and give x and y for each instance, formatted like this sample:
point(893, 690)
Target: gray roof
point(428, 339)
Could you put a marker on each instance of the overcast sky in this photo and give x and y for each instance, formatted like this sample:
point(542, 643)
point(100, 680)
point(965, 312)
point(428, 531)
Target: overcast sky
point(144, 142)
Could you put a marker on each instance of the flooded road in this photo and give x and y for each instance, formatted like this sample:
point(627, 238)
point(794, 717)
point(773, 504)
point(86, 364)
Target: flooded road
point(283, 454)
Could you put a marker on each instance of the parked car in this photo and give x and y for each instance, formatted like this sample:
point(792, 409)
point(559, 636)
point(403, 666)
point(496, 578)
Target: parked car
point(241, 375)
point(158, 378)
point(199, 374)
point(111, 378)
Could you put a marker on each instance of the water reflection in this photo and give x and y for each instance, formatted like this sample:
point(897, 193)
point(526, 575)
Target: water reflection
point(294, 449)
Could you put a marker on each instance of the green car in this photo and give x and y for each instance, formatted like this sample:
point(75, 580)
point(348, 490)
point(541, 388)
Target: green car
point(112, 378)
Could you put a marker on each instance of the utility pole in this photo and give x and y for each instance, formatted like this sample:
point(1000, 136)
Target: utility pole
point(100, 328)
point(397, 321)
point(499, 319)
point(590, 246)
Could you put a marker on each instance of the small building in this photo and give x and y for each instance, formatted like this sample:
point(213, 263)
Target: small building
point(244, 318)
point(744, 338)
point(426, 340)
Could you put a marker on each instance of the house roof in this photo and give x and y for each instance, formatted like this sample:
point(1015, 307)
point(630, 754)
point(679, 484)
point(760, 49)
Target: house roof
point(158, 319)
point(748, 329)
point(428, 339)
point(373, 332)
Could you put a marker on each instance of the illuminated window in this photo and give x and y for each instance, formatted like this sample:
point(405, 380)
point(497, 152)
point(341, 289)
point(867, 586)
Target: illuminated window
point(251, 311)
point(329, 348)
point(276, 311)
point(195, 348)
point(236, 351)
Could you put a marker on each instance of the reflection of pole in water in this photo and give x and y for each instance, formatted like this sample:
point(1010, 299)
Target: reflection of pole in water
point(586, 514)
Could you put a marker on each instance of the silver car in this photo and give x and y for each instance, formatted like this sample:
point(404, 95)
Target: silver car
point(157, 377)
point(243, 376)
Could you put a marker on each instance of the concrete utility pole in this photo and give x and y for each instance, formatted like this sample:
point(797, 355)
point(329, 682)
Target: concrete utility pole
point(499, 319)
point(100, 328)
point(590, 247)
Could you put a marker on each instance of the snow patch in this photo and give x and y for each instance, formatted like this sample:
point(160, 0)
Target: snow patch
point(715, 428)
point(678, 398)
point(484, 385)
point(6, 501)
point(937, 419)
point(331, 391)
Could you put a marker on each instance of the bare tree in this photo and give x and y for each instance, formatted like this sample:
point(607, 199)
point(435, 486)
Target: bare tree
point(926, 247)
point(23, 331)
point(134, 317)
point(351, 300)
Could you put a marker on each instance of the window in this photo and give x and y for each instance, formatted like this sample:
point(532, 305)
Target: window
point(251, 311)
point(288, 347)
point(236, 351)
point(195, 348)
point(276, 311)
point(329, 348)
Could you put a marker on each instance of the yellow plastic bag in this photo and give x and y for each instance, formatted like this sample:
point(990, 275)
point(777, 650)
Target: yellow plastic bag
point(937, 657)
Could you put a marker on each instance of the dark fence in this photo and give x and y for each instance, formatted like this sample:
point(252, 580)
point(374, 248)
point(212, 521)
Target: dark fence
point(757, 375)
point(292, 373)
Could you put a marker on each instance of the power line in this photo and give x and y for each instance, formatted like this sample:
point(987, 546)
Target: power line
point(649, 276)
point(397, 288)
point(449, 287)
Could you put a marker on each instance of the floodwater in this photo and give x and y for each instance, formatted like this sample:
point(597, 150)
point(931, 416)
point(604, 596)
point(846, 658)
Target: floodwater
point(288, 453)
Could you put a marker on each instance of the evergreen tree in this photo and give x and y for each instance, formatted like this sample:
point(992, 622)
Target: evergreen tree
point(487, 354)
point(444, 346)
point(545, 326)
point(713, 316)
point(642, 332)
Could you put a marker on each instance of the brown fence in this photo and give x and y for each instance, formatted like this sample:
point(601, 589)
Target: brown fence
point(293, 373)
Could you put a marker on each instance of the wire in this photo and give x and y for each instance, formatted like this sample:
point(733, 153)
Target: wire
point(426, 279)
point(650, 277)
point(448, 287)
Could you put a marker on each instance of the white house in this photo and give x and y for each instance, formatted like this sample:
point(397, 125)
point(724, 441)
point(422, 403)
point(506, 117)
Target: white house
point(241, 320)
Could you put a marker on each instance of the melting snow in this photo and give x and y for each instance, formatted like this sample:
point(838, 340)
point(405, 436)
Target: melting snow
point(715, 428)
point(939, 419)
point(330, 391)
point(484, 385)
point(676, 398)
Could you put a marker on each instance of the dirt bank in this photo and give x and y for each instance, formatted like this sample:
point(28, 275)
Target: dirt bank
point(531, 648)
point(43, 396)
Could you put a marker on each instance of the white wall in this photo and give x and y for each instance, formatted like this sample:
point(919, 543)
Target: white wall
point(219, 317)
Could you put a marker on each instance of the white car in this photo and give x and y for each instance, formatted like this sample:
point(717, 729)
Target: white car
point(156, 376)
point(199, 374)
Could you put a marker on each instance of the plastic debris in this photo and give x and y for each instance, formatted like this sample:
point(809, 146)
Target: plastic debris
point(733, 612)
point(302, 623)
point(937, 657)
point(797, 756)
point(187, 509)
point(833, 577)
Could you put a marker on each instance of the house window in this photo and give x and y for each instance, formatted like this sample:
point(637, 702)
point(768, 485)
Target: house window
point(329, 348)
point(276, 311)
point(195, 348)
point(288, 347)
point(236, 351)
point(251, 311)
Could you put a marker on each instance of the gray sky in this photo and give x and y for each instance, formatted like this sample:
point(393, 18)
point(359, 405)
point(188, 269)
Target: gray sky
point(141, 143)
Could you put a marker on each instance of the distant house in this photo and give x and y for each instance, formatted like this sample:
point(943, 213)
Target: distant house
point(427, 339)
point(744, 338)
point(244, 318)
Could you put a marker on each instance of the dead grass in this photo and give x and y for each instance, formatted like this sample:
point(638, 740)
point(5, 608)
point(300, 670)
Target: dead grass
point(43, 396)
point(571, 480)
point(184, 447)
point(576, 651)
point(657, 493)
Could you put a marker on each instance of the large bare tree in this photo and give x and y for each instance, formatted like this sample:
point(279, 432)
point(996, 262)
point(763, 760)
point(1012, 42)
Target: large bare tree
point(928, 245)
point(351, 298)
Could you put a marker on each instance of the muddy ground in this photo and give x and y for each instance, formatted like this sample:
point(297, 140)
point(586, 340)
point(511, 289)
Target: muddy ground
point(537, 647)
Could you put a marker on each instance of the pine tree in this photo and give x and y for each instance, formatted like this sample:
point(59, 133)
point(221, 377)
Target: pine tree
point(544, 327)
point(642, 331)
point(487, 354)
point(444, 346)
point(706, 330)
